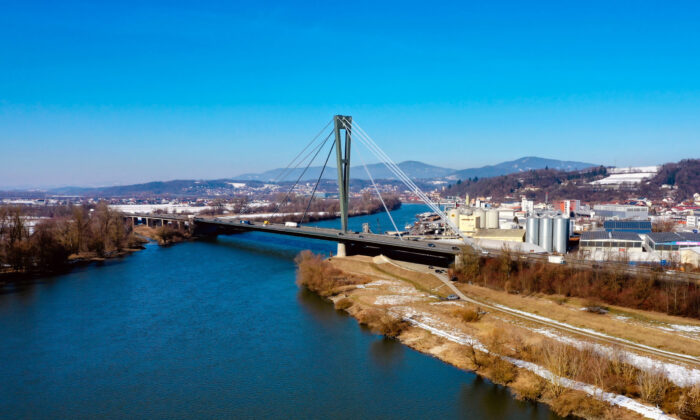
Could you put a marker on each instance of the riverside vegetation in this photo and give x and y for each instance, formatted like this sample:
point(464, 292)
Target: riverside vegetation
point(496, 344)
point(62, 235)
point(610, 285)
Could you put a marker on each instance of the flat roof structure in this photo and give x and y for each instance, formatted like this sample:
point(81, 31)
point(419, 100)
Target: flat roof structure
point(603, 239)
point(672, 241)
point(637, 226)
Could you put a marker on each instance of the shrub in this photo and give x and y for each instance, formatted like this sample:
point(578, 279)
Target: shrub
point(652, 385)
point(343, 304)
point(467, 314)
point(502, 371)
point(381, 322)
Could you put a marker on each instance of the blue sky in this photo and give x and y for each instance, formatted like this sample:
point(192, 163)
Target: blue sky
point(101, 94)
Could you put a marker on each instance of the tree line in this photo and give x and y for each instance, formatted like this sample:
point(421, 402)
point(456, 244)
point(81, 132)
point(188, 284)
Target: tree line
point(611, 285)
point(75, 231)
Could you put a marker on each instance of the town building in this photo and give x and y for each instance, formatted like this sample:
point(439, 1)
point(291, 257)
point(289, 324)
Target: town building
point(617, 211)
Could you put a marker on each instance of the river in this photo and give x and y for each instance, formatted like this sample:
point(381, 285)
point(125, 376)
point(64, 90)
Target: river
point(218, 329)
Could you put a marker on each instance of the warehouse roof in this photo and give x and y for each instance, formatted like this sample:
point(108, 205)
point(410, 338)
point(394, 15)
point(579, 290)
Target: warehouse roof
point(639, 226)
point(601, 235)
point(671, 237)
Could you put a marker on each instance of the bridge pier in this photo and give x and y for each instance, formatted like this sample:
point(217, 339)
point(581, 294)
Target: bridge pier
point(341, 250)
point(458, 261)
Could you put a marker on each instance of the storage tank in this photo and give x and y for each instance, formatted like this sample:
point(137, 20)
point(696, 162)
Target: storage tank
point(532, 231)
point(482, 217)
point(492, 219)
point(453, 217)
point(560, 234)
point(546, 233)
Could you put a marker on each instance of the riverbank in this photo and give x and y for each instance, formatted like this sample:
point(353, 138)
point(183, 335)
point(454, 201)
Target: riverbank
point(571, 376)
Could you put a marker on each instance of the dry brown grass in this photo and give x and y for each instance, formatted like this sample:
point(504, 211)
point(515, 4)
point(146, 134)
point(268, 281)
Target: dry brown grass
point(569, 313)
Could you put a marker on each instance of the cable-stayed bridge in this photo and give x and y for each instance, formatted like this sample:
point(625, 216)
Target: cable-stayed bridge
point(340, 137)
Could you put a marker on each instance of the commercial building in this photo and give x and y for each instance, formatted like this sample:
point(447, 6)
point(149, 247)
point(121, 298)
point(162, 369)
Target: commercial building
point(672, 241)
point(613, 241)
point(616, 211)
point(692, 222)
point(636, 226)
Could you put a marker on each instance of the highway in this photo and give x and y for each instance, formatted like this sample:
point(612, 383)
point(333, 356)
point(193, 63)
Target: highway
point(368, 239)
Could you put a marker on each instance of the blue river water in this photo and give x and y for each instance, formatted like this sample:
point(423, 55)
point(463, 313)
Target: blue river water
point(218, 329)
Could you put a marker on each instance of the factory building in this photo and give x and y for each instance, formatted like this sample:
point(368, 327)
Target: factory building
point(468, 223)
point(616, 211)
point(617, 241)
point(636, 226)
point(508, 235)
point(672, 241)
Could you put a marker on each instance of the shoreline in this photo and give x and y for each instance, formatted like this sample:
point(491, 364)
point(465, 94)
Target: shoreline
point(420, 319)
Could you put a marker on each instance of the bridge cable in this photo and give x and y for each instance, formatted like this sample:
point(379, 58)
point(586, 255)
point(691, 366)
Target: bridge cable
point(379, 194)
point(384, 158)
point(318, 149)
point(285, 171)
point(313, 193)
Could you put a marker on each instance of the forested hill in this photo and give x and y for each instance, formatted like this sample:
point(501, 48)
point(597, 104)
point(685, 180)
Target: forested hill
point(683, 176)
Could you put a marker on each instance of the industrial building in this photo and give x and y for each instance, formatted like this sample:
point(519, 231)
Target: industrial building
point(672, 241)
point(616, 240)
point(508, 235)
point(691, 256)
point(616, 211)
point(636, 226)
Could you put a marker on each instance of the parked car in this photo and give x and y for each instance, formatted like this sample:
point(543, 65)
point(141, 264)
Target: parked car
point(245, 222)
point(431, 245)
point(453, 297)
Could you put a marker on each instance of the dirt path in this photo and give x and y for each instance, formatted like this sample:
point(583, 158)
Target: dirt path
point(676, 357)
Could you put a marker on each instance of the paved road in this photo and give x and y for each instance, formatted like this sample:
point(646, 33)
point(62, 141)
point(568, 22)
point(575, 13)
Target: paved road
point(335, 235)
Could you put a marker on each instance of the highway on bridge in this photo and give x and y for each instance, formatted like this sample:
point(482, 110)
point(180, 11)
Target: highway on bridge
point(368, 240)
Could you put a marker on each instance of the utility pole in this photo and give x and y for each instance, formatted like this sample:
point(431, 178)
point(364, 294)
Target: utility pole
point(342, 153)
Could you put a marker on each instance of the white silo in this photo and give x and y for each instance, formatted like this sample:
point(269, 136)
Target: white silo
point(482, 217)
point(532, 231)
point(546, 233)
point(453, 217)
point(560, 234)
point(492, 219)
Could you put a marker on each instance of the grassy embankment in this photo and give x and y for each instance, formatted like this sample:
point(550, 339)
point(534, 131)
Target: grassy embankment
point(402, 303)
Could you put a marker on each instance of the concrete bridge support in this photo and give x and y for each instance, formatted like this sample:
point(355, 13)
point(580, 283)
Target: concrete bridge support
point(341, 250)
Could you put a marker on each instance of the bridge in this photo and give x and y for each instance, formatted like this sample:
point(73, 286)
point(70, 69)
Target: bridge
point(349, 243)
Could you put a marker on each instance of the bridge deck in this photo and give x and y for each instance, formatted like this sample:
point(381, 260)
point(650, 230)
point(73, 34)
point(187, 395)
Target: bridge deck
point(335, 235)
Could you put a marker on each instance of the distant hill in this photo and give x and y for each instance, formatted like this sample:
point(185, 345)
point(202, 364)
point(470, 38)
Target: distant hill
point(414, 169)
point(520, 165)
point(679, 180)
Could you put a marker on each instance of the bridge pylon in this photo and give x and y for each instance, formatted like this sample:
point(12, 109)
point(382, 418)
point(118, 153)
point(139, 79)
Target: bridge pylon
point(342, 152)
